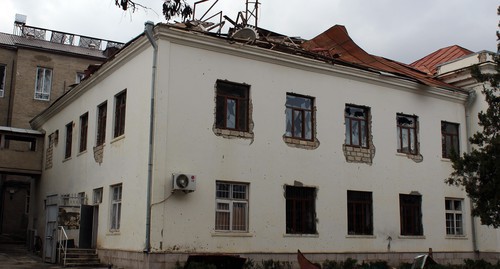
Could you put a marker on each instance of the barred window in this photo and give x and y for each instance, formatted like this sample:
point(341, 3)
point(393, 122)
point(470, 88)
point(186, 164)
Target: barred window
point(359, 213)
point(410, 208)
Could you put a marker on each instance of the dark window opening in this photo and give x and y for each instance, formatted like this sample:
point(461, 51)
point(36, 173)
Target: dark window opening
point(20, 143)
point(101, 124)
point(232, 106)
point(449, 139)
point(2, 80)
point(410, 207)
point(407, 134)
point(84, 122)
point(359, 213)
point(299, 117)
point(120, 106)
point(69, 139)
point(300, 210)
point(356, 126)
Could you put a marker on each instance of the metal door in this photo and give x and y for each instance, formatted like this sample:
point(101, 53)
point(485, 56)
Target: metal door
point(50, 244)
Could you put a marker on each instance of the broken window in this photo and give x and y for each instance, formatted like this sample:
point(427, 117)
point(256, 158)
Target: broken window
point(410, 209)
point(69, 139)
point(359, 213)
point(356, 126)
point(300, 210)
point(449, 139)
point(84, 122)
point(43, 83)
point(116, 207)
point(231, 213)
point(454, 216)
point(232, 106)
point(3, 71)
point(407, 134)
point(120, 106)
point(101, 123)
point(299, 116)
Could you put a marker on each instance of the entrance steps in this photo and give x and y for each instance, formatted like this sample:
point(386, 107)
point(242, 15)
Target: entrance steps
point(81, 257)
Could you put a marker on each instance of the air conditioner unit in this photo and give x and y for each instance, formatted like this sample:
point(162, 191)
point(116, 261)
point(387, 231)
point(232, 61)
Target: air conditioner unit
point(183, 182)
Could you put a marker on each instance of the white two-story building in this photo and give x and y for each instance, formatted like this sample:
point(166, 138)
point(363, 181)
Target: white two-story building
point(190, 143)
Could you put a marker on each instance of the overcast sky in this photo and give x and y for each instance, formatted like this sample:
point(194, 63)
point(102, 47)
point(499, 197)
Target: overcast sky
point(402, 30)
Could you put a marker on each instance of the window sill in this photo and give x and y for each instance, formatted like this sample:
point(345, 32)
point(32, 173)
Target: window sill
point(81, 153)
point(118, 138)
point(113, 233)
point(302, 235)
point(361, 236)
point(231, 234)
point(67, 159)
point(230, 133)
point(411, 236)
point(301, 143)
point(456, 237)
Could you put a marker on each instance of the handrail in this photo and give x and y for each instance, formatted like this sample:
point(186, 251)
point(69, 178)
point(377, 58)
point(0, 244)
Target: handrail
point(62, 248)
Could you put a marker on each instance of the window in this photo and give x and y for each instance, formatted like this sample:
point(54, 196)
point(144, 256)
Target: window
point(84, 123)
point(410, 209)
point(299, 116)
point(300, 210)
point(232, 109)
point(69, 139)
point(449, 139)
point(116, 207)
point(83, 198)
point(356, 126)
point(97, 196)
point(120, 103)
point(3, 71)
point(454, 213)
point(231, 213)
point(43, 83)
point(407, 134)
point(359, 213)
point(101, 123)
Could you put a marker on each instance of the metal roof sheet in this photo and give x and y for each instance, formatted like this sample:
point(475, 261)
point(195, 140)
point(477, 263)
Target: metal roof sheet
point(429, 63)
point(337, 40)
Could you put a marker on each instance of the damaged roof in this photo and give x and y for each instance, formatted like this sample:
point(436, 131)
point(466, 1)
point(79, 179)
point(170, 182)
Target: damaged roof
point(429, 63)
point(336, 41)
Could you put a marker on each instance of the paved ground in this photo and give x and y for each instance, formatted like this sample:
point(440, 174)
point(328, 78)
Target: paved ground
point(14, 255)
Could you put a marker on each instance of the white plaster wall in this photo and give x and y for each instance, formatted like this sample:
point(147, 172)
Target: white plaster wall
point(186, 143)
point(125, 157)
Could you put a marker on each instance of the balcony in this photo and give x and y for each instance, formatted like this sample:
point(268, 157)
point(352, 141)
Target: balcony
point(21, 151)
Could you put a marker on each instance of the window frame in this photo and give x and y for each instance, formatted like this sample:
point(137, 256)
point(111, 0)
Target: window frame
point(241, 101)
point(120, 113)
point(348, 121)
point(102, 111)
point(457, 215)
point(2, 80)
point(231, 201)
point(306, 204)
point(363, 203)
point(115, 203)
point(446, 154)
point(84, 123)
point(410, 213)
point(290, 129)
point(69, 140)
point(43, 91)
point(411, 130)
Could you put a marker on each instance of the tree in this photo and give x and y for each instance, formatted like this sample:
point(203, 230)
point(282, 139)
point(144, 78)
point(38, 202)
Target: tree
point(171, 8)
point(479, 171)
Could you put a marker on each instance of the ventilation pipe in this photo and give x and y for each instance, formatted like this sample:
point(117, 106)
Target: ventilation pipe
point(148, 31)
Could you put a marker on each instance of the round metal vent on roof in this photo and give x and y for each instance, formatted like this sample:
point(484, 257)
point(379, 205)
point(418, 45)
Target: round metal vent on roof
point(246, 33)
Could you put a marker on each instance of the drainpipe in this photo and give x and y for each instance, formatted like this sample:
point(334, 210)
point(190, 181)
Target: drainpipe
point(470, 100)
point(148, 31)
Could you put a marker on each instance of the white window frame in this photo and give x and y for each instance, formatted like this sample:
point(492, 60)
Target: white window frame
point(231, 201)
point(115, 207)
point(457, 215)
point(2, 80)
point(42, 91)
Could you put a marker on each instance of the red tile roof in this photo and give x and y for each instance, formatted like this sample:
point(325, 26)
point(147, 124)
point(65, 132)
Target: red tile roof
point(430, 62)
point(336, 40)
